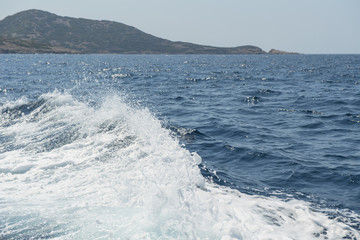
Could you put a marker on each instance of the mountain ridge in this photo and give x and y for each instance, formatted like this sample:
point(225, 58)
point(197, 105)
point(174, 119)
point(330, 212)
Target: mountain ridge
point(37, 31)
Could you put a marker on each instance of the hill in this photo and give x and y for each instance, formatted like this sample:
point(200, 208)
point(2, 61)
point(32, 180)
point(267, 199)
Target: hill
point(36, 31)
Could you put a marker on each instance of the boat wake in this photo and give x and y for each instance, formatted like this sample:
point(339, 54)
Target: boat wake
point(72, 170)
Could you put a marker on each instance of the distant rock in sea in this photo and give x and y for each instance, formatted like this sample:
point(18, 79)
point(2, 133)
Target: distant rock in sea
point(274, 51)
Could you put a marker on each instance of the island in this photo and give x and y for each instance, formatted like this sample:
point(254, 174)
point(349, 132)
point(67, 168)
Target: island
point(37, 31)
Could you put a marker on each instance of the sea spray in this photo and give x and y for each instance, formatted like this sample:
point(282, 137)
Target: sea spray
point(73, 171)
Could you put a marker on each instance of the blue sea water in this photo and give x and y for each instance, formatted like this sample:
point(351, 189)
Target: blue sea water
point(179, 147)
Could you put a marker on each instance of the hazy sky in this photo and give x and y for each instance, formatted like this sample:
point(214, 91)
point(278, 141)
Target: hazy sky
point(306, 26)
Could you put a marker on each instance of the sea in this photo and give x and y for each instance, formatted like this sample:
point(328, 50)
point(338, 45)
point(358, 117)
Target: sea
point(179, 147)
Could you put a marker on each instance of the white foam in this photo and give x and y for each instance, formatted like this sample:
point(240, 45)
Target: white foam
point(11, 104)
point(122, 176)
